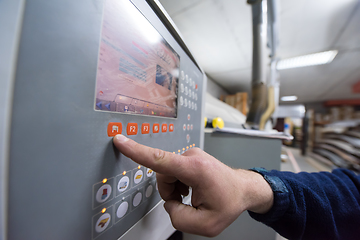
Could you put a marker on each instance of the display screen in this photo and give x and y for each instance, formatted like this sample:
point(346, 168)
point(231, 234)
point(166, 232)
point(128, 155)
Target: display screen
point(138, 70)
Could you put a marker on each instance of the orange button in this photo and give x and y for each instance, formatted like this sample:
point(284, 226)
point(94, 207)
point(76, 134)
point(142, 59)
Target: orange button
point(145, 128)
point(114, 128)
point(132, 129)
point(156, 128)
point(164, 127)
point(171, 127)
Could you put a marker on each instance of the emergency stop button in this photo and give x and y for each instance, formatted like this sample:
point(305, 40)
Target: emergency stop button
point(114, 128)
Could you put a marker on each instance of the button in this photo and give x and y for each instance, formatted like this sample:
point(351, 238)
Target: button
point(137, 199)
point(138, 176)
point(164, 127)
point(189, 104)
point(186, 90)
point(196, 96)
point(122, 209)
point(189, 93)
point(123, 184)
point(195, 106)
point(103, 222)
point(149, 172)
point(190, 81)
point(186, 78)
point(149, 190)
point(189, 117)
point(108, 106)
point(188, 138)
point(99, 105)
point(182, 87)
point(194, 85)
point(188, 127)
point(192, 105)
point(182, 75)
point(191, 127)
point(132, 129)
point(181, 100)
point(103, 193)
point(156, 128)
point(114, 128)
point(185, 102)
point(184, 127)
point(171, 127)
point(145, 128)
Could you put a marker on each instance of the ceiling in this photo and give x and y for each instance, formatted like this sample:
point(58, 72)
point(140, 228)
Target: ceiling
point(219, 34)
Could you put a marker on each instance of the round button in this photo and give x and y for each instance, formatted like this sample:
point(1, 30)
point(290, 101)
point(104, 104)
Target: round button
point(181, 100)
point(103, 222)
point(122, 209)
point(138, 176)
point(103, 193)
point(123, 183)
point(149, 191)
point(137, 199)
point(149, 172)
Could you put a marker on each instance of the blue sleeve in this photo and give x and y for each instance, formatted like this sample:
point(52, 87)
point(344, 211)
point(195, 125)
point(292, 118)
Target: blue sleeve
point(313, 205)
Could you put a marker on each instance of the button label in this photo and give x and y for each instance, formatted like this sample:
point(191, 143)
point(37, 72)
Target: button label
point(132, 129)
point(114, 128)
point(145, 128)
point(156, 128)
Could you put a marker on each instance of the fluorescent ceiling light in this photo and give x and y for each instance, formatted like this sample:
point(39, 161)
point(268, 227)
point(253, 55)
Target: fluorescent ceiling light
point(307, 60)
point(289, 98)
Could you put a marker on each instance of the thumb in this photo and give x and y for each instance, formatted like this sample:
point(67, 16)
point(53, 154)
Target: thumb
point(188, 219)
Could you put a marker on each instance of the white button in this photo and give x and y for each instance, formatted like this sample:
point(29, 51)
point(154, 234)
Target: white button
point(181, 100)
point(138, 176)
point(188, 127)
point(182, 75)
point(191, 127)
point(149, 172)
point(186, 90)
point(103, 222)
point(182, 87)
point(103, 193)
point(184, 127)
point(149, 191)
point(187, 78)
point(185, 102)
point(123, 183)
point(189, 92)
point(188, 138)
point(191, 82)
point(189, 117)
point(137, 199)
point(195, 107)
point(122, 209)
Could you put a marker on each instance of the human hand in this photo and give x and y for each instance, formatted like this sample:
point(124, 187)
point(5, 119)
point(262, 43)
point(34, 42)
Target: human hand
point(219, 193)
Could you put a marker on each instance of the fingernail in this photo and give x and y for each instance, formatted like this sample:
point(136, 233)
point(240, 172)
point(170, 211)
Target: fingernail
point(121, 138)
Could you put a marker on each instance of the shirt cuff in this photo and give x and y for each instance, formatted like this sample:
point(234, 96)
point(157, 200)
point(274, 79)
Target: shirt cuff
point(281, 197)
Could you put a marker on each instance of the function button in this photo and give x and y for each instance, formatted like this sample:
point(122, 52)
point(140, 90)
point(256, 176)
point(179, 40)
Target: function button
point(164, 127)
point(145, 128)
point(149, 172)
point(196, 86)
point(103, 193)
point(189, 104)
point(156, 128)
point(182, 75)
point(139, 175)
point(181, 100)
point(182, 88)
point(185, 102)
point(171, 127)
point(132, 129)
point(186, 90)
point(137, 199)
point(188, 117)
point(103, 222)
point(122, 209)
point(187, 137)
point(149, 190)
point(186, 78)
point(184, 127)
point(189, 93)
point(114, 128)
point(123, 184)
point(188, 127)
point(191, 127)
point(190, 81)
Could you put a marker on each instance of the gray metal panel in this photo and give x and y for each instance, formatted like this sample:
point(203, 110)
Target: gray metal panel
point(243, 152)
point(59, 147)
point(11, 13)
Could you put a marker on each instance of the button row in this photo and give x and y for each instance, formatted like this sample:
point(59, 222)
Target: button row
point(187, 91)
point(115, 128)
point(188, 127)
point(188, 103)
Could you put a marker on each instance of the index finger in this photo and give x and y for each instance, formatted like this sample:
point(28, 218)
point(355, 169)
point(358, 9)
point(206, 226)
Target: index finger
point(158, 160)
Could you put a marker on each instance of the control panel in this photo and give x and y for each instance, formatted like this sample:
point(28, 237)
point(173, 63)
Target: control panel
point(87, 71)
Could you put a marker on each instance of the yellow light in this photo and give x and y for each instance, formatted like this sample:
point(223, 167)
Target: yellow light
point(183, 149)
point(173, 152)
point(104, 180)
point(187, 147)
point(139, 167)
point(103, 210)
point(190, 146)
point(194, 145)
point(124, 172)
point(179, 150)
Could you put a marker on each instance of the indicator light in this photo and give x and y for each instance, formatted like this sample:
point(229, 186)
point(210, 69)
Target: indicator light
point(173, 152)
point(183, 149)
point(139, 167)
point(103, 210)
point(179, 150)
point(104, 180)
point(124, 172)
point(187, 147)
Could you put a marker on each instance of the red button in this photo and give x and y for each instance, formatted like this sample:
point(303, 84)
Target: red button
point(164, 127)
point(156, 128)
point(114, 128)
point(132, 129)
point(171, 127)
point(145, 128)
